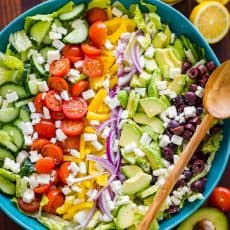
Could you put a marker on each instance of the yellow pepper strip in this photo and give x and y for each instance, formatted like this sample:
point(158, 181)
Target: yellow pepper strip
point(67, 204)
point(92, 168)
point(88, 150)
point(82, 147)
point(71, 158)
point(89, 129)
point(113, 70)
point(109, 13)
point(88, 184)
point(77, 207)
point(106, 53)
point(96, 83)
point(98, 117)
point(102, 180)
point(103, 108)
point(108, 61)
point(98, 100)
point(81, 195)
point(113, 82)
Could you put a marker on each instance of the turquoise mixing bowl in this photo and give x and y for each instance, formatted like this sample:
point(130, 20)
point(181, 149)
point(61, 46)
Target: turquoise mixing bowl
point(180, 25)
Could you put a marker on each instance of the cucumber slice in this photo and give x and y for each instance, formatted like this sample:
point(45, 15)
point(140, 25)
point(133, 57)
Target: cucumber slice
point(26, 72)
point(6, 186)
point(78, 35)
point(21, 103)
point(12, 87)
point(47, 40)
point(16, 135)
point(5, 141)
point(39, 30)
point(24, 114)
point(76, 12)
point(4, 153)
point(33, 87)
point(8, 114)
point(38, 66)
point(7, 174)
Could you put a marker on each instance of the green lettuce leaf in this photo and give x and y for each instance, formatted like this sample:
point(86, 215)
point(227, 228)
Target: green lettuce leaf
point(99, 3)
point(21, 186)
point(27, 168)
point(68, 7)
point(213, 143)
point(10, 62)
point(122, 8)
point(149, 6)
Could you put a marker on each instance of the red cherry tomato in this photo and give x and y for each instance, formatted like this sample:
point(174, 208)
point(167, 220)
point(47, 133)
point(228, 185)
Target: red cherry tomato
point(72, 143)
point(98, 33)
point(58, 84)
point(45, 165)
point(73, 53)
point(93, 68)
point(56, 199)
point(53, 151)
point(57, 116)
point(75, 108)
point(79, 87)
point(42, 189)
point(60, 68)
point(52, 102)
point(64, 172)
point(96, 14)
point(38, 144)
point(72, 128)
point(90, 51)
point(29, 207)
point(45, 129)
point(220, 198)
point(39, 102)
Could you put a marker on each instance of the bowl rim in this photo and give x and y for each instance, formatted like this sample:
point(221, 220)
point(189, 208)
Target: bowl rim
point(208, 49)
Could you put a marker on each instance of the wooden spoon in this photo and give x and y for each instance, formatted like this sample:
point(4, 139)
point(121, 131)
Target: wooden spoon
point(216, 101)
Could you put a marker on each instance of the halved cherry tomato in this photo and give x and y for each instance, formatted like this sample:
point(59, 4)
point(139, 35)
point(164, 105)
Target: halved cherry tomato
point(72, 128)
point(56, 199)
point(98, 33)
point(52, 102)
point(64, 172)
point(57, 116)
point(29, 207)
point(90, 51)
point(39, 102)
point(58, 84)
point(79, 87)
point(93, 67)
point(38, 144)
point(72, 143)
point(60, 68)
point(220, 198)
point(96, 14)
point(75, 108)
point(73, 53)
point(45, 129)
point(53, 151)
point(45, 165)
point(42, 189)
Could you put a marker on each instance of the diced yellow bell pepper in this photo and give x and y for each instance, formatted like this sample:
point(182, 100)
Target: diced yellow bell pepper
point(113, 82)
point(88, 150)
point(71, 158)
point(89, 129)
point(98, 100)
point(102, 180)
point(108, 61)
point(96, 83)
point(92, 168)
point(113, 70)
point(77, 207)
point(81, 195)
point(103, 108)
point(106, 53)
point(88, 184)
point(109, 13)
point(67, 204)
point(98, 117)
point(82, 147)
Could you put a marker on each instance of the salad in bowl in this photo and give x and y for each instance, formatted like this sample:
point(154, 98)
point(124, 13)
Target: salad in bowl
point(97, 103)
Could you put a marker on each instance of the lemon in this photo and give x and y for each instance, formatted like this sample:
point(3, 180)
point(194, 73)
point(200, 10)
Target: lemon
point(223, 2)
point(212, 19)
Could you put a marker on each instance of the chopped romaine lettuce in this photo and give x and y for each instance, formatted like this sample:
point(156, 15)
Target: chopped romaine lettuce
point(68, 7)
point(213, 143)
point(99, 3)
point(138, 17)
point(150, 7)
point(122, 8)
point(27, 168)
point(21, 186)
point(10, 62)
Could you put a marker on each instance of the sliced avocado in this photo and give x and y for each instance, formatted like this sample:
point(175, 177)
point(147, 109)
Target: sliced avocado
point(123, 98)
point(162, 58)
point(168, 34)
point(165, 101)
point(109, 226)
point(143, 163)
point(130, 170)
point(156, 19)
point(140, 81)
point(150, 132)
point(189, 46)
point(150, 65)
point(129, 134)
point(178, 84)
point(125, 216)
point(171, 55)
point(152, 88)
point(152, 106)
point(154, 156)
point(148, 192)
point(159, 41)
point(179, 48)
point(155, 123)
point(133, 102)
point(149, 200)
point(199, 219)
point(136, 183)
point(129, 157)
point(165, 71)
point(154, 225)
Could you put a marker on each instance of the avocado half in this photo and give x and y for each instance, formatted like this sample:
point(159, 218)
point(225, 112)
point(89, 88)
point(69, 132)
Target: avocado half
point(205, 219)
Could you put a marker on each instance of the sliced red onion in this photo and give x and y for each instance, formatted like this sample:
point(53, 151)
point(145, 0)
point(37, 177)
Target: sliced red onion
point(122, 81)
point(136, 57)
point(102, 126)
point(109, 147)
point(89, 217)
point(102, 203)
point(113, 92)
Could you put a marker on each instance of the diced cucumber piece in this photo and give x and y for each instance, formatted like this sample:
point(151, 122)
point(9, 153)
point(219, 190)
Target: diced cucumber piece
point(38, 66)
point(130, 170)
point(123, 98)
point(16, 135)
point(24, 114)
point(6, 186)
point(9, 75)
point(12, 87)
point(5, 141)
point(7, 174)
point(33, 87)
point(25, 76)
point(47, 40)
point(8, 114)
point(66, 8)
point(76, 12)
point(78, 35)
point(21, 103)
point(4, 153)
point(39, 30)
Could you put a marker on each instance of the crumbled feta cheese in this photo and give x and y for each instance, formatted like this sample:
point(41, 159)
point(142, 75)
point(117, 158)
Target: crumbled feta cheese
point(108, 45)
point(36, 121)
point(70, 180)
point(58, 44)
point(181, 118)
point(160, 172)
point(105, 218)
point(177, 140)
point(190, 111)
point(160, 181)
point(161, 85)
point(90, 137)
point(116, 12)
point(22, 155)
point(122, 200)
point(60, 135)
point(141, 91)
point(74, 73)
point(78, 65)
point(106, 84)
point(35, 115)
point(168, 201)
point(94, 122)
point(105, 132)
point(170, 168)
point(165, 163)
point(34, 156)
point(28, 196)
point(42, 86)
point(199, 92)
point(116, 186)
point(171, 112)
point(130, 147)
point(81, 216)
point(46, 112)
point(11, 97)
point(32, 107)
point(138, 152)
point(145, 139)
point(175, 158)
point(75, 188)
point(92, 194)
point(28, 140)
point(39, 59)
point(61, 30)
point(97, 145)
point(173, 72)
point(172, 95)
point(58, 124)
point(54, 35)
point(164, 92)
point(75, 153)
point(175, 200)
point(164, 117)
point(88, 94)
point(164, 141)
point(65, 95)
point(53, 55)
point(66, 190)
point(194, 197)
point(74, 168)
point(27, 128)
point(110, 204)
point(33, 181)
point(82, 167)
point(149, 53)
point(112, 102)
point(43, 178)
point(124, 114)
point(11, 165)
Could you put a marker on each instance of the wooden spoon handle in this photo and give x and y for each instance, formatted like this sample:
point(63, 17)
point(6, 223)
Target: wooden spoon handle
point(174, 175)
